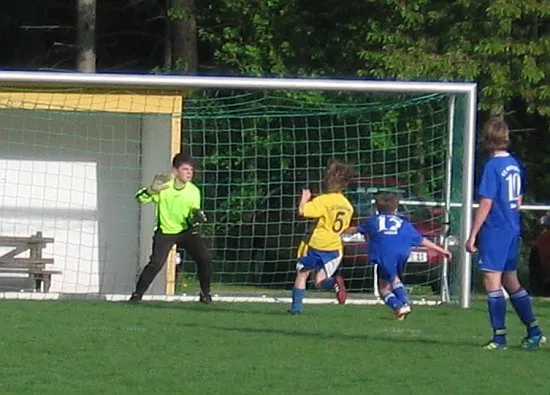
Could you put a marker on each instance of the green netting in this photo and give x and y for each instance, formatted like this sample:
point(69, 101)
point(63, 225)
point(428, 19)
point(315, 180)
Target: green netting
point(259, 149)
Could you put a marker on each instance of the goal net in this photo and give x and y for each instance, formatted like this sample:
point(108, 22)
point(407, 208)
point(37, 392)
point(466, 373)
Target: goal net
point(258, 149)
point(71, 161)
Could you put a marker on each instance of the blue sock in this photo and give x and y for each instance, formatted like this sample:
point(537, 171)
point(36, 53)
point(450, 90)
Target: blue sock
point(524, 309)
point(497, 314)
point(328, 283)
point(392, 302)
point(400, 293)
point(297, 299)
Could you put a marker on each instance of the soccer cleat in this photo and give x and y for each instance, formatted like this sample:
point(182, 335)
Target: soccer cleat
point(403, 312)
point(294, 312)
point(533, 342)
point(134, 299)
point(205, 298)
point(494, 346)
point(340, 289)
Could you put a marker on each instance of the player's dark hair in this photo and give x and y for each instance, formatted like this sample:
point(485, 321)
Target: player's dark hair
point(496, 135)
point(386, 202)
point(337, 176)
point(180, 159)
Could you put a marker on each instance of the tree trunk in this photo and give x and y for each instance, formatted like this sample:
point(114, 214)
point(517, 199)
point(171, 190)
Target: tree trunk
point(168, 38)
point(184, 33)
point(85, 36)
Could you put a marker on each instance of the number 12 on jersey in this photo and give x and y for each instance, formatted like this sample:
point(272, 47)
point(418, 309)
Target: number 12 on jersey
point(389, 224)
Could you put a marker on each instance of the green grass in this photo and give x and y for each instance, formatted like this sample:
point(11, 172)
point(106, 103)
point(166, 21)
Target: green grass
point(84, 347)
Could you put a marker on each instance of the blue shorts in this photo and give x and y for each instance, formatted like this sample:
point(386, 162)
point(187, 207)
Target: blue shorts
point(498, 252)
point(390, 267)
point(312, 259)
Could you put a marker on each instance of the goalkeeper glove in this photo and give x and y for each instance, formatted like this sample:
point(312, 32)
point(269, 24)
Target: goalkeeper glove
point(196, 217)
point(159, 183)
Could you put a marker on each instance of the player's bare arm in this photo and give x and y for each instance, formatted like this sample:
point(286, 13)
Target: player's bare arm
point(482, 212)
point(432, 246)
point(350, 230)
point(306, 197)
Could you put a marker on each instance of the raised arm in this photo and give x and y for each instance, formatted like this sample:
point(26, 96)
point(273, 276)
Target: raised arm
point(150, 194)
point(306, 196)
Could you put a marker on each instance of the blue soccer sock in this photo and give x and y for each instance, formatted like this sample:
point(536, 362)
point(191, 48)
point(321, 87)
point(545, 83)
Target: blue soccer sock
point(328, 283)
point(524, 309)
point(297, 300)
point(392, 302)
point(497, 314)
point(400, 293)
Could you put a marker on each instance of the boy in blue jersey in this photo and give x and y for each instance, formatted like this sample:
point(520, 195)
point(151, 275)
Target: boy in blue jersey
point(496, 232)
point(322, 252)
point(390, 240)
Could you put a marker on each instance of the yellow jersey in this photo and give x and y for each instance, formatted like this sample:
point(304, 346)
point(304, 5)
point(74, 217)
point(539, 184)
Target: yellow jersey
point(333, 212)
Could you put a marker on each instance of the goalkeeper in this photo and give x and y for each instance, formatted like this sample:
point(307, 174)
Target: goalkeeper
point(178, 212)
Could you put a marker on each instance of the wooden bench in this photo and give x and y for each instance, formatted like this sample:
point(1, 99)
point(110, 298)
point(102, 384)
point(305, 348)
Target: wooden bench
point(33, 268)
point(38, 280)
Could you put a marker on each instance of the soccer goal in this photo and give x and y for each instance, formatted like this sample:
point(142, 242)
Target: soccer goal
point(76, 147)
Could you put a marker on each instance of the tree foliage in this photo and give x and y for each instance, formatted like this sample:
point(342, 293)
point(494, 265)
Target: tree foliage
point(504, 46)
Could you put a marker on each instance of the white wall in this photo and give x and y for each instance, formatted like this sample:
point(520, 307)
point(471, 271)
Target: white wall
point(73, 176)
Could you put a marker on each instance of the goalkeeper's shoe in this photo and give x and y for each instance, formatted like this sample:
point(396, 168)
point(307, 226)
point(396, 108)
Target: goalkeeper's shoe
point(294, 312)
point(403, 312)
point(533, 342)
point(135, 298)
point(340, 289)
point(205, 297)
point(494, 346)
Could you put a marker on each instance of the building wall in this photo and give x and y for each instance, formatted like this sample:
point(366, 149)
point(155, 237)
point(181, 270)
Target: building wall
point(73, 175)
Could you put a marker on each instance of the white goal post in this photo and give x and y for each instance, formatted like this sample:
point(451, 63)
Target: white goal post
point(179, 84)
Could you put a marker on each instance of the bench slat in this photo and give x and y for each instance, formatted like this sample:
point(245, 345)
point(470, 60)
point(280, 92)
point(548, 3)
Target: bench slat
point(27, 261)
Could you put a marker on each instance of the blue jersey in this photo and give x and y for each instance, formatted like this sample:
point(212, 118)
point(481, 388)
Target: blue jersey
point(502, 181)
point(389, 235)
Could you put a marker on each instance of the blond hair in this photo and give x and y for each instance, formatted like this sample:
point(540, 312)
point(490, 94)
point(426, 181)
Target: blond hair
point(386, 202)
point(496, 135)
point(337, 176)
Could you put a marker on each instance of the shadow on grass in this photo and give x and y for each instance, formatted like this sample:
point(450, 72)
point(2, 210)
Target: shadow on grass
point(400, 334)
point(410, 336)
point(215, 307)
point(443, 310)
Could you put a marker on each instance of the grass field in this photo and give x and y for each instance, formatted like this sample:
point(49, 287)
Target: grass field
point(85, 347)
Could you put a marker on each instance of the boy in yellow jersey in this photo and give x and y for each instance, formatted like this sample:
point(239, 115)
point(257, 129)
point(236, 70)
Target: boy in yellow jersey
point(323, 251)
point(178, 211)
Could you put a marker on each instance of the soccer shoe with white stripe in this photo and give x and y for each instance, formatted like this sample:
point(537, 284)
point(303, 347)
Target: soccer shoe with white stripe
point(533, 342)
point(205, 297)
point(403, 312)
point(340, 289)
point(494, 346)
point(134, 299)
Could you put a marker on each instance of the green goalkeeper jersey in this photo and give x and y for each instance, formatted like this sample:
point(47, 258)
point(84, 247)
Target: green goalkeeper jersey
point(172, 206)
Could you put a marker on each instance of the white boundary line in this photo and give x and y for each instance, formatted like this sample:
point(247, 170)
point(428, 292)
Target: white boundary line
point(194, 298)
